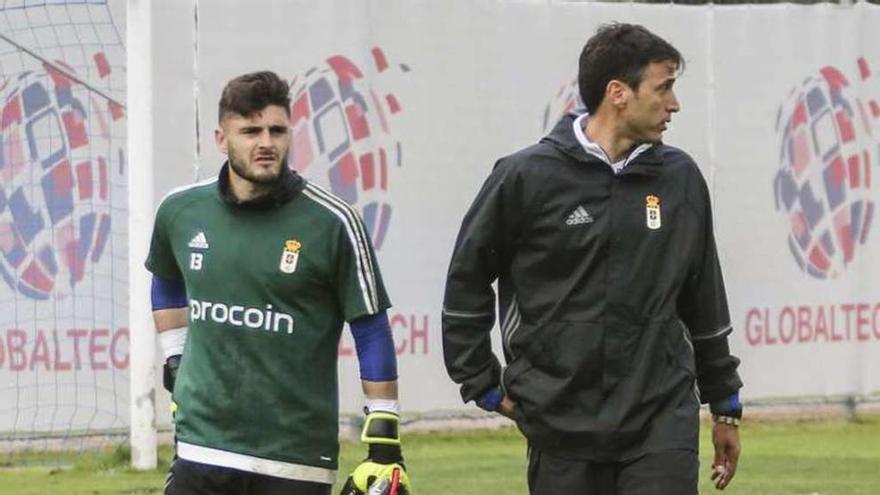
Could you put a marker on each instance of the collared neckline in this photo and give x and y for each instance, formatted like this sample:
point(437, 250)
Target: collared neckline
point(562, 137)
point(288, 186)
point(593, 149)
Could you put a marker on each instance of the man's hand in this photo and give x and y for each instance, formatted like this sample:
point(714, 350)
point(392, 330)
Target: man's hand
point(169, 372)
point(725, 437)
point(383, 471)
point(371, 478)
point(506, 407)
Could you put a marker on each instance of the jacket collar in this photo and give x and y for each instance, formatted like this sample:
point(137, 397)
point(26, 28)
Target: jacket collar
point(288, 186)
point(562, 138)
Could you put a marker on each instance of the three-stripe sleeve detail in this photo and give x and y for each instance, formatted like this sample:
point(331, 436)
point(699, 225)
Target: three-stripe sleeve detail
point(721, 332)
point(188, 187)
point(510, 323)
point(358, 238)
point(467, 314)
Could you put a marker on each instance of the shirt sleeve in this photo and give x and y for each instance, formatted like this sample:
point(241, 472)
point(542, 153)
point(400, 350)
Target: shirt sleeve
point(702, 306)
point(481, 252)
point(359, 285)
point(160, 260)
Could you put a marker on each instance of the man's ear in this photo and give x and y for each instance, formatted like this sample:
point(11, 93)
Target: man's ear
point(220, 140)
point(617, 93)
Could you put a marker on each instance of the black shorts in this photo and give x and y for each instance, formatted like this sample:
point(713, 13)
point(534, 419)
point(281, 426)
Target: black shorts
point(672, 472)
point(192, 478)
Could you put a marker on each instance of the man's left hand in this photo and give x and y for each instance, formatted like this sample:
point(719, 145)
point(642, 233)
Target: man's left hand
point(725, 437)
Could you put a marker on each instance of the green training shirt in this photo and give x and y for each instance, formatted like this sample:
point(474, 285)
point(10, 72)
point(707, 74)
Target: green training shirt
point(269, 289)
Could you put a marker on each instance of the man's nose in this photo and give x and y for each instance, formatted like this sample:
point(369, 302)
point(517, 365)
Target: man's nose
point(265, 139)
point(673, 105)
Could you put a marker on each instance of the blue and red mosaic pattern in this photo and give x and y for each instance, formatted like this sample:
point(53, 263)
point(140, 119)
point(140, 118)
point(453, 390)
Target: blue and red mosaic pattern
point(55, 142)
point(826, 157)
point(342, 134)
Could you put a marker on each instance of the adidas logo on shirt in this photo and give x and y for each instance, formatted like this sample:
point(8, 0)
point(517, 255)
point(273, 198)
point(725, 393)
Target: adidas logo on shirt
point(199, 241)
point(579, 216)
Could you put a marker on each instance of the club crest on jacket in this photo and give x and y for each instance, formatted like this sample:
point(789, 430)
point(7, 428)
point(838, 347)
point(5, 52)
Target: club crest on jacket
point(652, 211)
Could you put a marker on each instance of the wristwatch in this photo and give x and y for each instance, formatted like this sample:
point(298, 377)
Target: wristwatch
point(725, 420)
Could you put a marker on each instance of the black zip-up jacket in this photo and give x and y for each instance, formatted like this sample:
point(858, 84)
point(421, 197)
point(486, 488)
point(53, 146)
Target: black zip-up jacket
point(607, 317)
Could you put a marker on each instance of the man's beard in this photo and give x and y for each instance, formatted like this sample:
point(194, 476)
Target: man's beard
point(263, 182)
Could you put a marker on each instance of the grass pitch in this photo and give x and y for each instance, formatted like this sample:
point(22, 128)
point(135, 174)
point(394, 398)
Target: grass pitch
point(803, 458)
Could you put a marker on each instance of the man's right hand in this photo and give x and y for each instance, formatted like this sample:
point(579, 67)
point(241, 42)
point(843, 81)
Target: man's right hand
point(169, 372)
point(495, 400)
point(383, 471)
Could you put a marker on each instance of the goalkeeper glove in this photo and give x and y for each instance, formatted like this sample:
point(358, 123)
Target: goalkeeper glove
point(172, 342)
point(169, 372)
point(383, 471)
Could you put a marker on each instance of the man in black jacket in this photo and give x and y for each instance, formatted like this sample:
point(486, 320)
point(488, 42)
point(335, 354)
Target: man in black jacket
point(611, 301)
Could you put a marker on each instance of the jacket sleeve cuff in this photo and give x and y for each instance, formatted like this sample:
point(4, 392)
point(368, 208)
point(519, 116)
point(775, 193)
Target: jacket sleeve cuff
point(729, 406)
point(717, 377)
point(490, 400)
point(473, 387)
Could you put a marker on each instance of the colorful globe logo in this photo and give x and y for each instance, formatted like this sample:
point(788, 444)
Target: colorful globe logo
point(823, 186)
point(342, 135)
point(55, 152)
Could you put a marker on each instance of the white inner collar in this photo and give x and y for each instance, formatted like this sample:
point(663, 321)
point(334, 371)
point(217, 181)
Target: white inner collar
point(594, 149)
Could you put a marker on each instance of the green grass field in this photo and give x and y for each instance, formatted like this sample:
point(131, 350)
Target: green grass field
point(804, 458)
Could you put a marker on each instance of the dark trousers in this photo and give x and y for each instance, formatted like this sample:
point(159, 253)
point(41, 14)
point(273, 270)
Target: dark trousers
point(192, 478)
point(673, 472)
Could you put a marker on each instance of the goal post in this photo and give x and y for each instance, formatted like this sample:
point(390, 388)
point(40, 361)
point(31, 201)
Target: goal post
point(141, 206)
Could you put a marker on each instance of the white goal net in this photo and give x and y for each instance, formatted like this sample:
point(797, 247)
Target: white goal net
point(64, 342)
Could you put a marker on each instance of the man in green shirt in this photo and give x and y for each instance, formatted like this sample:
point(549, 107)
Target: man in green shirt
point(256, 271)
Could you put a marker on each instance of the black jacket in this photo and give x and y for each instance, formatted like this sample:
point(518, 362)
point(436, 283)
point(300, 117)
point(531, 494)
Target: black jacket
point(607, 318)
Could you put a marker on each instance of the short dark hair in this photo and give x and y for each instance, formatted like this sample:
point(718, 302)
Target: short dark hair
point(619, 51)
point(249, 93)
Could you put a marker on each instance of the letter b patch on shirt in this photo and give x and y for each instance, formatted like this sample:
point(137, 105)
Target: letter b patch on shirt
point(195, 261)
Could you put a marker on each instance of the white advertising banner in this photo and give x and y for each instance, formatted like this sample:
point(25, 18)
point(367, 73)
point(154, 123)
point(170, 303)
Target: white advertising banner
point(796, 129)
point(401, 107)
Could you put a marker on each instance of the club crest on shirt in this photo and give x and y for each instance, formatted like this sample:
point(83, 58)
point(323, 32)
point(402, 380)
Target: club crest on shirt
point(290, 256)
point(652, 212)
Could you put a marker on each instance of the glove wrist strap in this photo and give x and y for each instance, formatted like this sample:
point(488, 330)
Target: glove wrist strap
point(385, 454)
point(381, 428)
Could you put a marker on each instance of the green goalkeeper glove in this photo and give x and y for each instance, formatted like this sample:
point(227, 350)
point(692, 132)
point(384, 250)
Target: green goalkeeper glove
point(383, 471)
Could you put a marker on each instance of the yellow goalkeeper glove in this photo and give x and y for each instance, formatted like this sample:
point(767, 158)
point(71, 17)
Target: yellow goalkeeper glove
point(383, 471)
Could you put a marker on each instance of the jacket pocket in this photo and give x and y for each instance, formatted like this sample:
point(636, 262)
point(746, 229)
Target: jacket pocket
point(513, 371)
point(559, 375)
point(620, 349)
